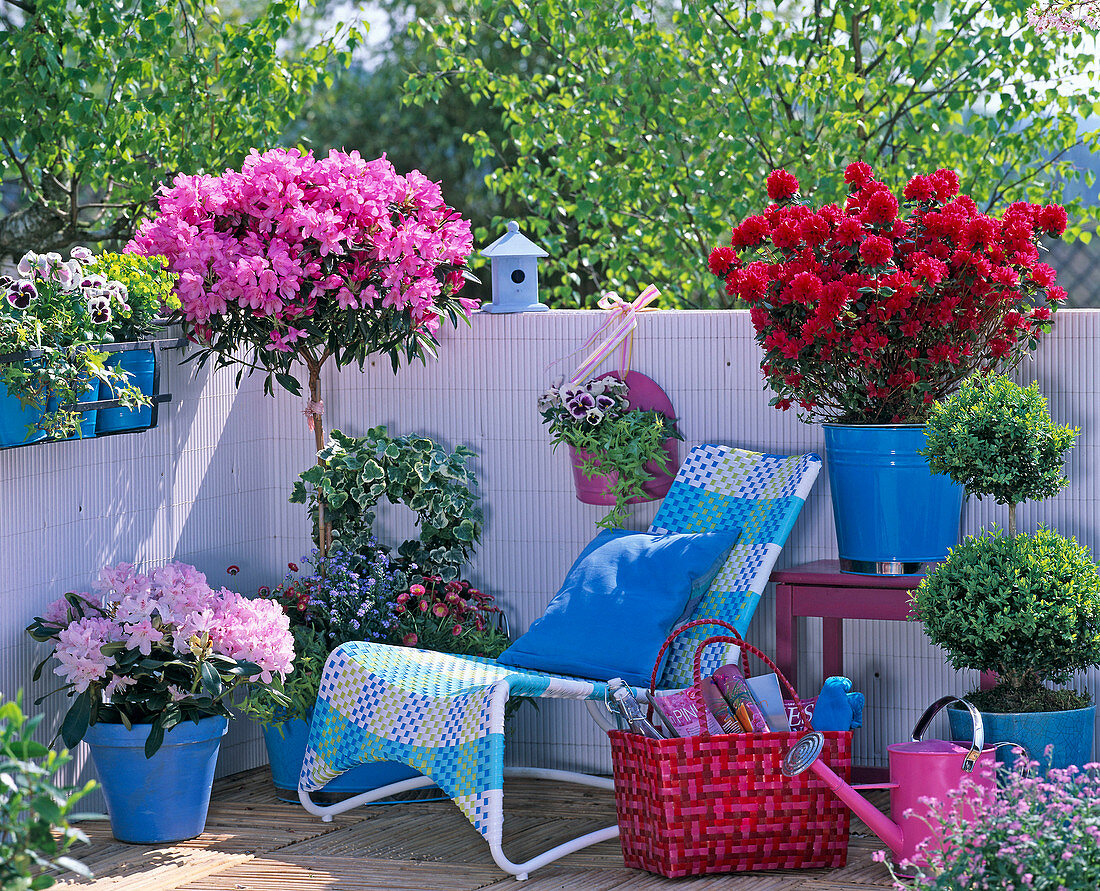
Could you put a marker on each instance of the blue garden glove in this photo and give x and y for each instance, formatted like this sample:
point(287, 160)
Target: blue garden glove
point(837, 708)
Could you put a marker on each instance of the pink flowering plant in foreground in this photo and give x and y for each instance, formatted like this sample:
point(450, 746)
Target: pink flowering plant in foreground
point(297, 259)
point(868, 314)
point(1034, 834)
point(160, 648)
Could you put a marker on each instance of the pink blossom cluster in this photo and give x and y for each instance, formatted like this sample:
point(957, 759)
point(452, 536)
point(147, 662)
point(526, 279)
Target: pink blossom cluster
point(1065, 16)
point(166, 613)
point(290, 237)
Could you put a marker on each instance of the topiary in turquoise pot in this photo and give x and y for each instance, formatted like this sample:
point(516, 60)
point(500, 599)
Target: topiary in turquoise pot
point(160, 799)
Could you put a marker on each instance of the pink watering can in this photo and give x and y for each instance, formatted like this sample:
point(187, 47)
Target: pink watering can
point(918, 769)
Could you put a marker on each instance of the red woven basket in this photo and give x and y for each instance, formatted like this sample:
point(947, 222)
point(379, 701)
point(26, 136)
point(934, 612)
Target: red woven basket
point(717, 804)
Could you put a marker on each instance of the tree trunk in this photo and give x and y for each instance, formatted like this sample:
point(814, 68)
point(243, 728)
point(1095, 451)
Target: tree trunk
point(1012, 519)
point(314, 415)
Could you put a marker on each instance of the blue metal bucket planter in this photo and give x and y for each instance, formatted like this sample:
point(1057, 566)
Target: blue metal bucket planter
point(88, 418)
point(892, 515)
point(160, 799)
point(287, 749)
point(1069, 732)
point(142, 366)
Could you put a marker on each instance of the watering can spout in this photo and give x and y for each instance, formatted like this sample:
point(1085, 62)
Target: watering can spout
point(804, 756)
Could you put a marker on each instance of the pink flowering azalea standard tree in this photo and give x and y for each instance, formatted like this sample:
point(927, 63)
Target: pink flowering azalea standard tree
point(296, 260)
point(160, 648)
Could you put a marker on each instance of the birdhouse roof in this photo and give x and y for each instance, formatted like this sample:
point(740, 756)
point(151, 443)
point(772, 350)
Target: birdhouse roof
point(513, 243)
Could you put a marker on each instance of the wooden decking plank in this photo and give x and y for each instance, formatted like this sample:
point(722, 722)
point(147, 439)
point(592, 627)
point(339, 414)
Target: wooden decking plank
point(282, 873)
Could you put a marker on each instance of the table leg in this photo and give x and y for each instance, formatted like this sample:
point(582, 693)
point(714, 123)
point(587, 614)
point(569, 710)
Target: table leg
point(832, 647)
point(786, 634)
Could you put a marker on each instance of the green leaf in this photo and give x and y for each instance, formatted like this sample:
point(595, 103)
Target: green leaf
point(75, 724)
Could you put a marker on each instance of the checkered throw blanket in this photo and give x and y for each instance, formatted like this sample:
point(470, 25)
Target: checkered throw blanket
point(428, 710)
point(431, 710)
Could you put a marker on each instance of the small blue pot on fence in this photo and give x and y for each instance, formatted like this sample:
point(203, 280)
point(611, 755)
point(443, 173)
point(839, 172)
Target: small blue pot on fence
point(16, 420)
point(141, 364)
point(160, 799)
point(88, 418)
point(892, 515)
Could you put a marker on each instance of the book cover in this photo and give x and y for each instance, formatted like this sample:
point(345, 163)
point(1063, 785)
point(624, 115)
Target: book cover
point(769, 699)
point(679, 712)
point(731, 684)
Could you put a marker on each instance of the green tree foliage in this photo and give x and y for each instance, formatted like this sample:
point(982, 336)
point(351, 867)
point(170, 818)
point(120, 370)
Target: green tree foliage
point(640, 129)
point(363, 110)
point(105, 99)
point(996, 438)
point(1025, 606)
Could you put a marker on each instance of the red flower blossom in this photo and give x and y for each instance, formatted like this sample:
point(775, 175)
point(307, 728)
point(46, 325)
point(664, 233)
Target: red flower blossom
point(946, 184)
point(858, 174)
point(1053, 218)
point(410, 639)
point(782, 185)
point(721, 258)
point(919, 188)
point(876, 251)
point(881, 207)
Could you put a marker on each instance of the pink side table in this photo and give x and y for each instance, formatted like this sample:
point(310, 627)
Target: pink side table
point(820, 589)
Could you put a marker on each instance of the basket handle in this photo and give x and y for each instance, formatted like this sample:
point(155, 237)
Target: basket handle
point(746, 647)
point(695, 623)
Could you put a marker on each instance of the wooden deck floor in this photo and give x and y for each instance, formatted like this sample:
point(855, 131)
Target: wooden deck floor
point(253, 842)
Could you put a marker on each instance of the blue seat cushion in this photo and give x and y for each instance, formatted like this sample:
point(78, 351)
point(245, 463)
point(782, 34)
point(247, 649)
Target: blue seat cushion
point(620, 600)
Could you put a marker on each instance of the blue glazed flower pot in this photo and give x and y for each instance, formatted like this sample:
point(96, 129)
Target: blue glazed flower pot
point(892, 515)
point(15, 420)
point(88, 418)
point(160, 799)
point(1070, 732)
point(286, 750)
point(141, 365)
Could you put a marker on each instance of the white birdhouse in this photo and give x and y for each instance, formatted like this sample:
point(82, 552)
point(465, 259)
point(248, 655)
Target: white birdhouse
point(515, 270)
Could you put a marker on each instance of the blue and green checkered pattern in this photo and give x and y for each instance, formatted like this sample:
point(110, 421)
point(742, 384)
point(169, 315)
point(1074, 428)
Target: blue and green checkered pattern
point(719, 487)
point(432, 710)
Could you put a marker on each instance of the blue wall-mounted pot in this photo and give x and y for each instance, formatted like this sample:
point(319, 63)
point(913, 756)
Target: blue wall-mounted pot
point(141, 364)
point(15, 419)
point(892, 515)
point(160, 799)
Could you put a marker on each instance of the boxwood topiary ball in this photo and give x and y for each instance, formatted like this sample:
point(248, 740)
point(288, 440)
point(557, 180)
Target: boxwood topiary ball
point(1027, 607)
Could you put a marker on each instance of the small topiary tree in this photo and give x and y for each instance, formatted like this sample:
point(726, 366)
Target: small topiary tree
point(1026, 607)
point(994, 437)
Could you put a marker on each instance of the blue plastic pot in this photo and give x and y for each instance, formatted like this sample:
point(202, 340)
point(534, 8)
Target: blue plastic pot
point(88, 418)
point(1069, 732)
point(141, 365)
point(286, 751)
point(160, 799)
point(891, 513)
point(15, 420)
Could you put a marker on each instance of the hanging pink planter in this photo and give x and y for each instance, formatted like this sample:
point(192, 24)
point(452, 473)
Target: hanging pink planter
point(644, 394)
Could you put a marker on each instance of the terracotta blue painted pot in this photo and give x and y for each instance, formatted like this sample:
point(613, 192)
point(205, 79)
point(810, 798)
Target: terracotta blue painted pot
point(160, 799)
point(141, 365)
point(1069, 732)
point(892, 515)
point(286, 748)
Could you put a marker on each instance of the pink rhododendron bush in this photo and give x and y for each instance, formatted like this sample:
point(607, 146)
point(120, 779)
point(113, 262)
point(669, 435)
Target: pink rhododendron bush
point(160, 648)
point(296, 258)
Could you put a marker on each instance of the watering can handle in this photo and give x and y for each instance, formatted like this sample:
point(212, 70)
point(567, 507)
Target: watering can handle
point(977, 743)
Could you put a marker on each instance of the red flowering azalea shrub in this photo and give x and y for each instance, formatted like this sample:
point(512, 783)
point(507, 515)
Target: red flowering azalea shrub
point(867, 316)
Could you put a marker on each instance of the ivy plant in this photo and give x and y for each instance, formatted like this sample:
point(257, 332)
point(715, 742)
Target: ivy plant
point(1024, 606)
point(35, 834)
point(994, 437)
point(354, 473)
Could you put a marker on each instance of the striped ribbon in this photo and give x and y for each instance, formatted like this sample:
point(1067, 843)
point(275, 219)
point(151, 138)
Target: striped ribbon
point(617, 331)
